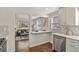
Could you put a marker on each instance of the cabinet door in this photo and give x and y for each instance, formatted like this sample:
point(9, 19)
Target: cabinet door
point(72, 45)
point(70, 15)
point(62, 15)
point(71, 48)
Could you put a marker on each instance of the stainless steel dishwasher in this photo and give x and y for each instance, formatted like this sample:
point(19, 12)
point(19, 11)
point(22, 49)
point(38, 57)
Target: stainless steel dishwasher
point(3, 43)
point(59, 43)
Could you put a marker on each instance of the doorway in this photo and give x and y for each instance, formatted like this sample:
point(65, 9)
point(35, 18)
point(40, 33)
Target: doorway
point(22, 32)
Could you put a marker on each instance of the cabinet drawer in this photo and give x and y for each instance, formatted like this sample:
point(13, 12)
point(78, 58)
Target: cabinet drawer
point(72, 42)
point(72, 48)
point(72, 45)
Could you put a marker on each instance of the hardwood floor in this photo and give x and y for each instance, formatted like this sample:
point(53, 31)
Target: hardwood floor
point(22, 46)
point(47, 47)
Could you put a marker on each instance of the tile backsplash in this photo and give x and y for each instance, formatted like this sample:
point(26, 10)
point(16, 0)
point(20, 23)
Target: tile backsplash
point(73, 28)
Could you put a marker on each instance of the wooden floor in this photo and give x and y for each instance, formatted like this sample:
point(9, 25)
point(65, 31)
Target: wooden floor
point(23, 46)
point(47, 47)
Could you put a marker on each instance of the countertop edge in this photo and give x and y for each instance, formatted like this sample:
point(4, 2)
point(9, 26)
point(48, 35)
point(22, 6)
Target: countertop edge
point(63, 35)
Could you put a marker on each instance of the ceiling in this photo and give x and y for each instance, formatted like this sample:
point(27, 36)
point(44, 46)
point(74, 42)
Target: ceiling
point(33, 11)
point(36, 11)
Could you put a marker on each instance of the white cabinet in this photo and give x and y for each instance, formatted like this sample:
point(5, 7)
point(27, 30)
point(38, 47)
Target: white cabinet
point(67, 15)
point(38, 39)
point(72, 45)
point(62, 16)
point(70, 15)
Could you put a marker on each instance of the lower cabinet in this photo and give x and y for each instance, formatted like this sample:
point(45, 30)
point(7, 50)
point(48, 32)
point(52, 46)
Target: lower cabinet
point(64, 44)
point(72, 45)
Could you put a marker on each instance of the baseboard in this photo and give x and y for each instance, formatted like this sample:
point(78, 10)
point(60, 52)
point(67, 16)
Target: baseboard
point(51, 42)
point(38, 44)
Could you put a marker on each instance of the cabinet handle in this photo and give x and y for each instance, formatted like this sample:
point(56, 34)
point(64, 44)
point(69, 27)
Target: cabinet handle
point(72, 42)
point(72, 46)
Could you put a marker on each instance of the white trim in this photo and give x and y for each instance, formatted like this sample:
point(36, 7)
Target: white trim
point(51, 42)
point(38, 44)
point(76, 15)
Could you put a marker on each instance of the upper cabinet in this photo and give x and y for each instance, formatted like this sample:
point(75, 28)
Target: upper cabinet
point(62, 15)
point(68, 16)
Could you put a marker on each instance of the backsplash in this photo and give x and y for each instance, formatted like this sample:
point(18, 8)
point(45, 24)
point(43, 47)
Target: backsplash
point(74, 29)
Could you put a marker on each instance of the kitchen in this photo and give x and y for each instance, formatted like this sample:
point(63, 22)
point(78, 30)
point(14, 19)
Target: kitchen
point(56, 26)
point(62, 24)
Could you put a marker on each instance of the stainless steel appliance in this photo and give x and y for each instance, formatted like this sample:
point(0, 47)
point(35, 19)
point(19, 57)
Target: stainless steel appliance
point(59, 43)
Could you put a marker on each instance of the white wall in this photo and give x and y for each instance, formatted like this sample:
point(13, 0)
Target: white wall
point(6, 18)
